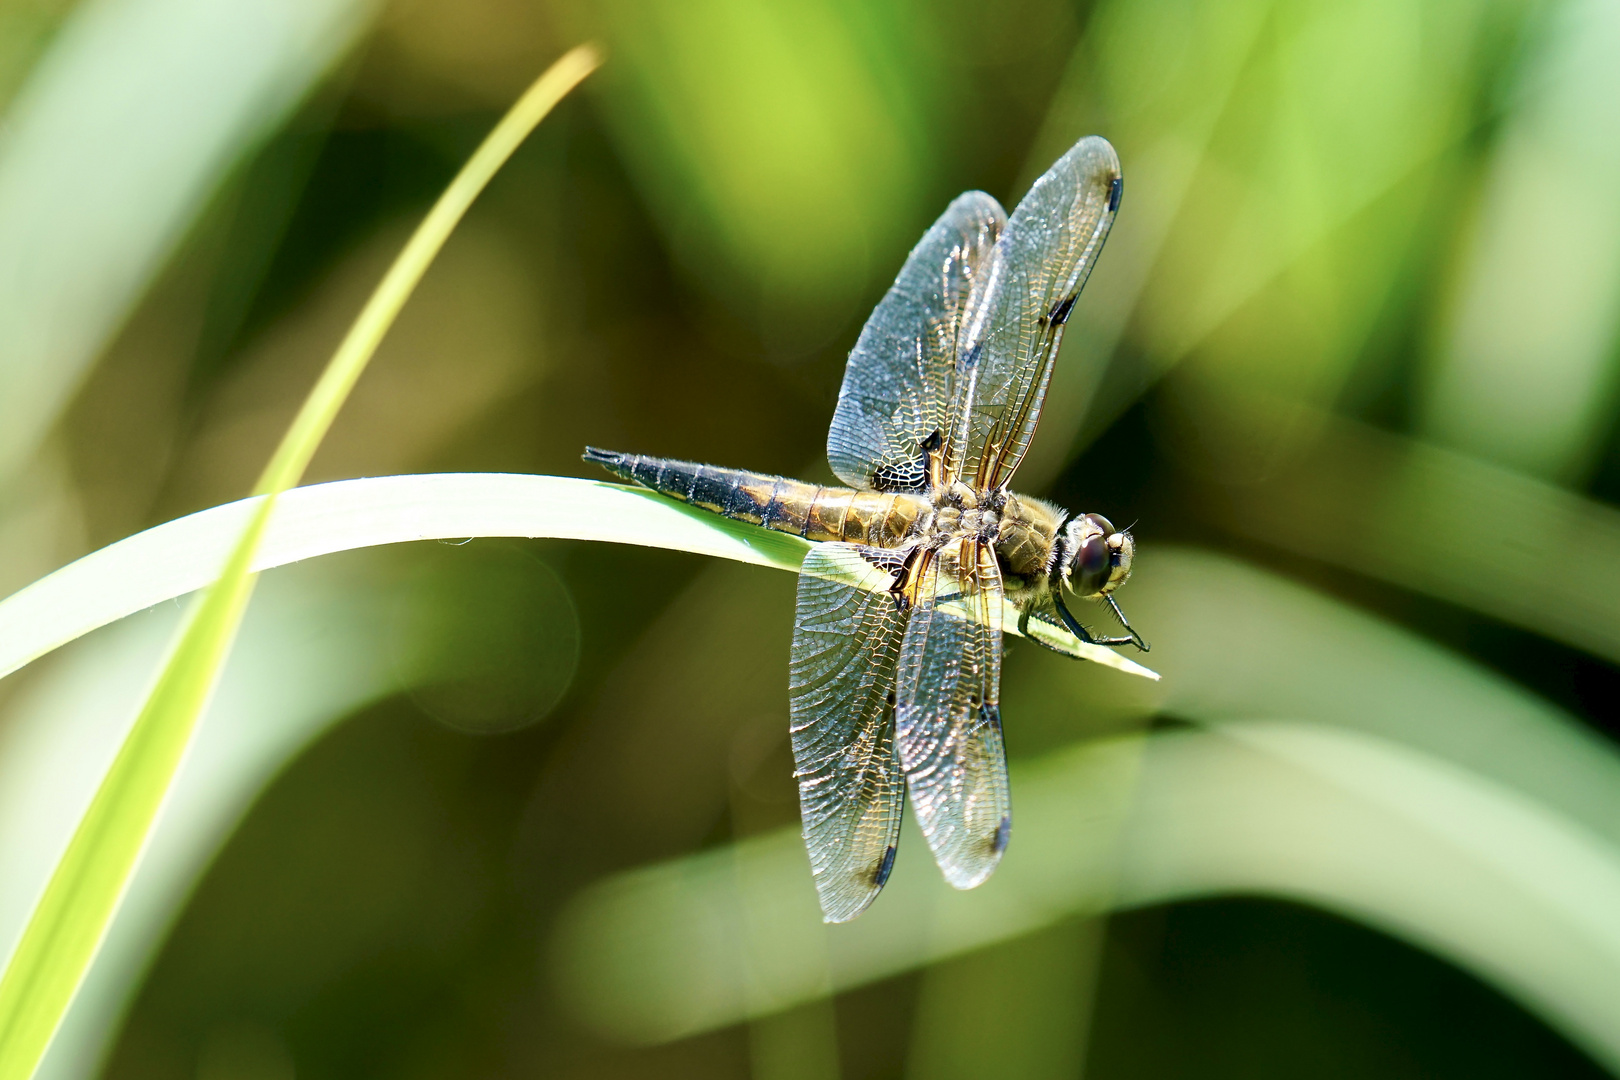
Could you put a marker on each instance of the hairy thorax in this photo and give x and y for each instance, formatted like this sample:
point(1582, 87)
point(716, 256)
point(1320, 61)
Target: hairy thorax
point(1028, 530)
point(1021, 529)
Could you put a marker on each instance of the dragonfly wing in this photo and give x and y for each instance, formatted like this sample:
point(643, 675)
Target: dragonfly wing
point(948, 721)
point(846, 643)
point(1042, 261)
point(899, 383)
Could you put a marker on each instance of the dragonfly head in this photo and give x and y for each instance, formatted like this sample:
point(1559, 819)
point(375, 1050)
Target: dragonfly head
point(1093, 557)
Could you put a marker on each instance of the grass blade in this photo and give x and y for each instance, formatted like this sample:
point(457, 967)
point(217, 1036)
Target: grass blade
point(68, 923)
point(172, 559)
point(324, 401)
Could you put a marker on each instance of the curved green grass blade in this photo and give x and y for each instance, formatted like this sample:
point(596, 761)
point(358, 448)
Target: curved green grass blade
point(68, 923)
point(174, 558)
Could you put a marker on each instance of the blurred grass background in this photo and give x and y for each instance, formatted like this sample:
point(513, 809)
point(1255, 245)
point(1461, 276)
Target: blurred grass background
point(1348, 361)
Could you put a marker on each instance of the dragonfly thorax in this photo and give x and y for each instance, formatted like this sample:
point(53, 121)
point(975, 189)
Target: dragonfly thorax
point(1025, 540)
point(959, 512)
point(1043, 547)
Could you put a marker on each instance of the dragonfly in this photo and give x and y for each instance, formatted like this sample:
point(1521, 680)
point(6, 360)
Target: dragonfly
point(895, 670)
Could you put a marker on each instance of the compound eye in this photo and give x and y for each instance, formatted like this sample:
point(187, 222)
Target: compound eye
point(1092, 564)
point(1102, 523)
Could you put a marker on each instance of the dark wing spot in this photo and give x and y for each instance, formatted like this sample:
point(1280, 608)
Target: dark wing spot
point(1115, 190)
point(998, 843)
point(971, 359)
point(884, 868)
point(888, 698)
point(1059, 313)
point(990, 713)
point(910, 476)
point(934, 441)
point(885, 559)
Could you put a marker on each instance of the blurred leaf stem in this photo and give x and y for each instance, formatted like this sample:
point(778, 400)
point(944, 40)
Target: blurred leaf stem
point(1492, 539)
point(1541, 276)
point(72, 916)
point(1247, 245)
point(108, 153)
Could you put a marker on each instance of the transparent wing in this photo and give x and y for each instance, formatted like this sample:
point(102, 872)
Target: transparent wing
point(1041, 263)
point(899, 383)
point(948, 721)
point(846, 642)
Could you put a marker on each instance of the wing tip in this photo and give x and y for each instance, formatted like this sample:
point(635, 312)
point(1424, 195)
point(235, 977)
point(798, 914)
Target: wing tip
point(1095, 146)
point(976, 201)
point(839, 907)
point(843, 896)
point(1094, 163)
point(970, 868)
point(963, 878)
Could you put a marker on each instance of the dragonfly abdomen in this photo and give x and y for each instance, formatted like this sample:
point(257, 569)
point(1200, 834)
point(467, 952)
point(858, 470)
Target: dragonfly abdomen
point(876, 518)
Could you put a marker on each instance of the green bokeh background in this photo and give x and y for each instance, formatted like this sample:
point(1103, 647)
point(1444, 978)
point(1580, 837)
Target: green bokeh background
point(1355, 331)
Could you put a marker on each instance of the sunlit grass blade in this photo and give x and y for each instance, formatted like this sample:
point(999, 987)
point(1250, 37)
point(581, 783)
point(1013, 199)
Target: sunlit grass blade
point(172, 559)
point(68, 923)
point(175, 558)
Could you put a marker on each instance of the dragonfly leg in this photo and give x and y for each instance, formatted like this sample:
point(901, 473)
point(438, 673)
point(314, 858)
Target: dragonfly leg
point(1136, 639)
point(1086, 635)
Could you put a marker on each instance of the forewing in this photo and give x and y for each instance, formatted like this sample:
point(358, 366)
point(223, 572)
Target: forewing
point(846, 643)
point(1042, 261)
point(899, 383)
point(948, 720)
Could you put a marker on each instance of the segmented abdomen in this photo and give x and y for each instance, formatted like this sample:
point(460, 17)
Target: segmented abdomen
point(875, 518)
